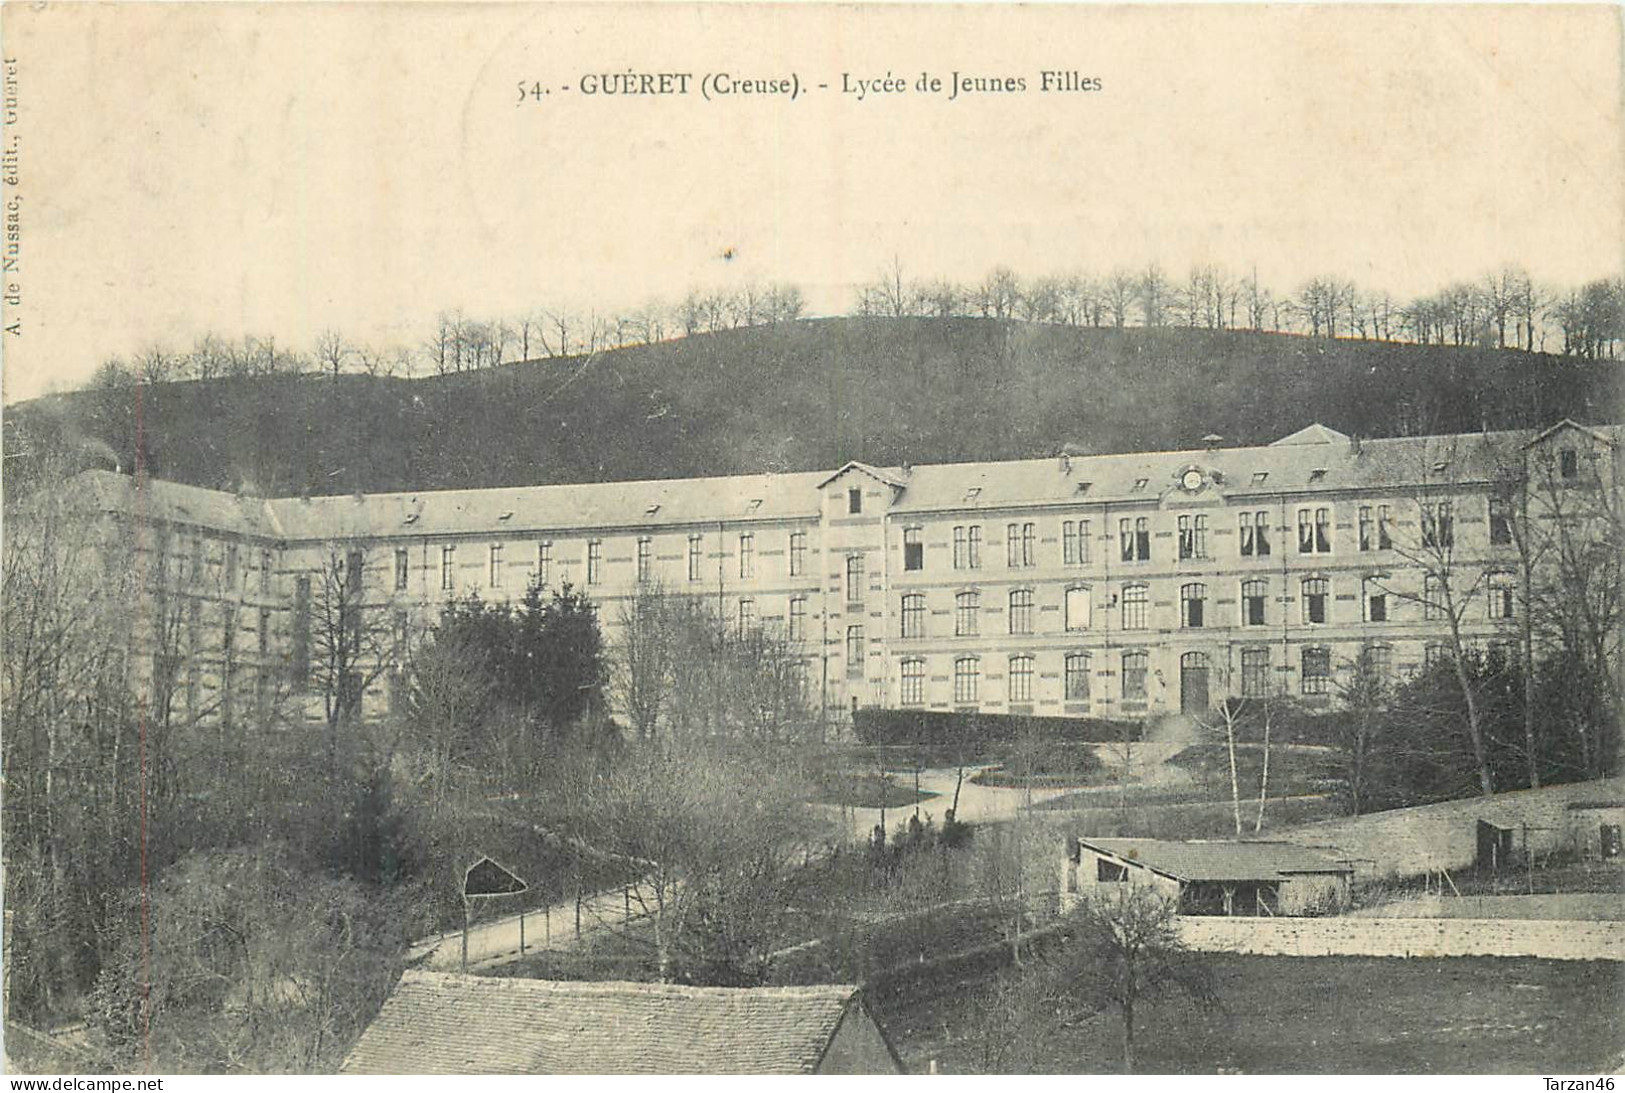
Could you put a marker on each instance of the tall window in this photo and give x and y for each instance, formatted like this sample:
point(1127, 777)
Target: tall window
point(1500, 521)
point(1254, 595)
point(1255, 534)
point(914, 615)
point(1078, 607)
point(1376, 600)
point(1314, 531)
point(1134, 539)
point(1019, 541)
point(747, 617)
point(231, 567)
point(854, 578)
point(645, 559)
point(913, 689)
point(1020, 678)
point(967, 679)
point(1077, 677)
point(961, 553)
point(299, 662)
point(1368, 528)
point(798, 553)
point(854, 500)
point(402, 568)
point(1433, 606)
point(696, 556)
point(1568, 462)
point(595, 561)
point(975, 546)
point(544, 563)
point(448, 566)
point(747, 554)
point(1135, 598)
point(798, 618)
point(1438, 526)
point(1380, 661)
point(353, 562)
point(1192, 605)
point(1134, 665)
point(1316, 591)
point(1317, 670)
point(1385, 541)
point(967, 613)
point(913, 549)
point(1255, 672)
point(1192, 537)
point(1021, 611)
point(265, 571)
point(1503, 598)
point(1435, 653)
point(1075, 542)
point(854, 651)
point(496, 565)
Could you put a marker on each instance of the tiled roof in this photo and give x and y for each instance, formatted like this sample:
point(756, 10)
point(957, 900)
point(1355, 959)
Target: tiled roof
point(1207, 861)
point(437, 1023)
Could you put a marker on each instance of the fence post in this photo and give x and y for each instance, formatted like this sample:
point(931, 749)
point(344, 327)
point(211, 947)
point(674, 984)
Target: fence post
point(521, 933)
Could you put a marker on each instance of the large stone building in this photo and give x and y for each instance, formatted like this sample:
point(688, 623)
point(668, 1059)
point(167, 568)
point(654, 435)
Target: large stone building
point(1111, 585)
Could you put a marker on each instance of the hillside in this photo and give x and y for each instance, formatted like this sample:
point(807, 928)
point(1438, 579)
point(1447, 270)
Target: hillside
point(802, 396)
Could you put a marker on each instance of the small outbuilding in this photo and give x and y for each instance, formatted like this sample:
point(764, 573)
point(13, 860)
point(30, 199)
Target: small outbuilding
point(1212, 878)
point(436, 1023)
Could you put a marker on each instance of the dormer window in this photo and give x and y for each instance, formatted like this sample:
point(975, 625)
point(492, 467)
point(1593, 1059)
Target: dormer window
point(1141, 483)
point(1568, 463)
point(1260, 477)
point(1440, 467)
point(1083, 487)
point(973, 493)
point(411, 518)
point(506, 516)
point(854, 500)
point(652, 509)
point(1317, 474)
point(754, 504)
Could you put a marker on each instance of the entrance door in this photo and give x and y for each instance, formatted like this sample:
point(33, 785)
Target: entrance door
point(1193, 697)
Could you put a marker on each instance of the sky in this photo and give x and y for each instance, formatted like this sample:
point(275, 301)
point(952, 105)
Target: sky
point(281, 170)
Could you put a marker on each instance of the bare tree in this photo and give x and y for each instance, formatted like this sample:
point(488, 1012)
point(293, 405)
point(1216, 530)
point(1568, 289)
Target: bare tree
point(332, 352)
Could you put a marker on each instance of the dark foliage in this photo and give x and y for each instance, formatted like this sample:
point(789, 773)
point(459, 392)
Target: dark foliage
point(978, 733)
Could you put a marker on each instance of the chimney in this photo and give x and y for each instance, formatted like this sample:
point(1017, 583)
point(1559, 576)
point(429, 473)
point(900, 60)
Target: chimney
point(1066, 463)
point(1354, 444)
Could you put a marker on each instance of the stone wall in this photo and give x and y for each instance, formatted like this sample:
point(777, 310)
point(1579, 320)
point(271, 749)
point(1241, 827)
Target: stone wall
point(1428, 937)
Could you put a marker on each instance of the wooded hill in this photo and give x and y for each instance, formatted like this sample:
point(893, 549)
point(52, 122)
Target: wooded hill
point(800, 396)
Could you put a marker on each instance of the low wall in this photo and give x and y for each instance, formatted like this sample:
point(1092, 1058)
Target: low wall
point(1411, 841)
point(1427, 937)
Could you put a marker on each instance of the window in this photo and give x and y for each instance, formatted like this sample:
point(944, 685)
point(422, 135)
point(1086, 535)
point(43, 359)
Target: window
point(1135, 598)
point(1075, 542)
point(1192, 605)
point(747, 617)
point(1438, 526)
point(1079, 603)
point(1568, 461)
point(914, 615)
point(645, 559)
point(747, 554)
point(496, 565)
point(1376, 600)
point(1261, 534)
point(1192, 537)
point(696, 555)
point(402, 567)
point(544, 563)
point(1384, 539)
point(595, 561)
point(1435, 653)
point(1254, 594)
point(1134, 665)
point(1316, 591)
point(854, 500)
point(1314, 531)
point(798, 553)
point(1077, 677)
point(1020, 678)
point(1110, 872)
point(1021, 611)
point(1255, 673)
point(854, 578)
point(265, 571)
point(1380, 662)
point(1019, 540)
point(967, 611)
point(299, 662)
point(448, 566)
point(854, 651)
point(1503, 598)
point(1317, 670)
point(976, 546)
point(1500, 521)
point(798, 618)
point(1134, 538)
point(913, 689)
point(960, 552)
point(967, 679)
point(353, 572)
point(1432, 598)
point(197, 559)
point(913, 549)
point(1368, 528)
point(231, 567)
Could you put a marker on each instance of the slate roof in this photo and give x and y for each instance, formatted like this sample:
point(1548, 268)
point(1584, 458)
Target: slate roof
point(436, 1023)
point(1219, 861)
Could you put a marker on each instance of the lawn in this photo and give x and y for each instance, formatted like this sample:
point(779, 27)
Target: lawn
point(1304, 1015)
point(1295, 770)
point(865, 789)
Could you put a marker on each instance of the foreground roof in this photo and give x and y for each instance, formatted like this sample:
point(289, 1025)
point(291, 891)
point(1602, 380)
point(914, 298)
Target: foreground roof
point(1219, 861)
point(437, 1023)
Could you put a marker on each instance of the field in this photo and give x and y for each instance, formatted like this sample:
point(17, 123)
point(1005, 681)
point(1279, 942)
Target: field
point(1301, 1015)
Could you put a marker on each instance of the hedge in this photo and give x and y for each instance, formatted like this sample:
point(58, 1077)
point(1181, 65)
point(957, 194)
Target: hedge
point(974, 732)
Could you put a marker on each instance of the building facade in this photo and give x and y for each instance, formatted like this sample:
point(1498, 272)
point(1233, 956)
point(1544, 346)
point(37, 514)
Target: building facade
point(1120, 586)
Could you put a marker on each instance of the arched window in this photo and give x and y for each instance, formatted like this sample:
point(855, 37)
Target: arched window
point(913, 688)
point(1077, 677)
point(1316, 593)
point(914, 615)
point(1078, 607)
point(967, 680)
point(1135, 662)
point(1135, 598)
point(1254, 595)
point(1192, 605)
point(967, 611)
point(1021, 611)
point(1020, 679)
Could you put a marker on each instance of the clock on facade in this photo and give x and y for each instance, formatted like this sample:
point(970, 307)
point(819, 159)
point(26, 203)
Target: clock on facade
point(1191, 480)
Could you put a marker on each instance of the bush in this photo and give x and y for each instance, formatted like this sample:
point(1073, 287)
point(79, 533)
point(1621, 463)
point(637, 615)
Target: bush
point(976, 733)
